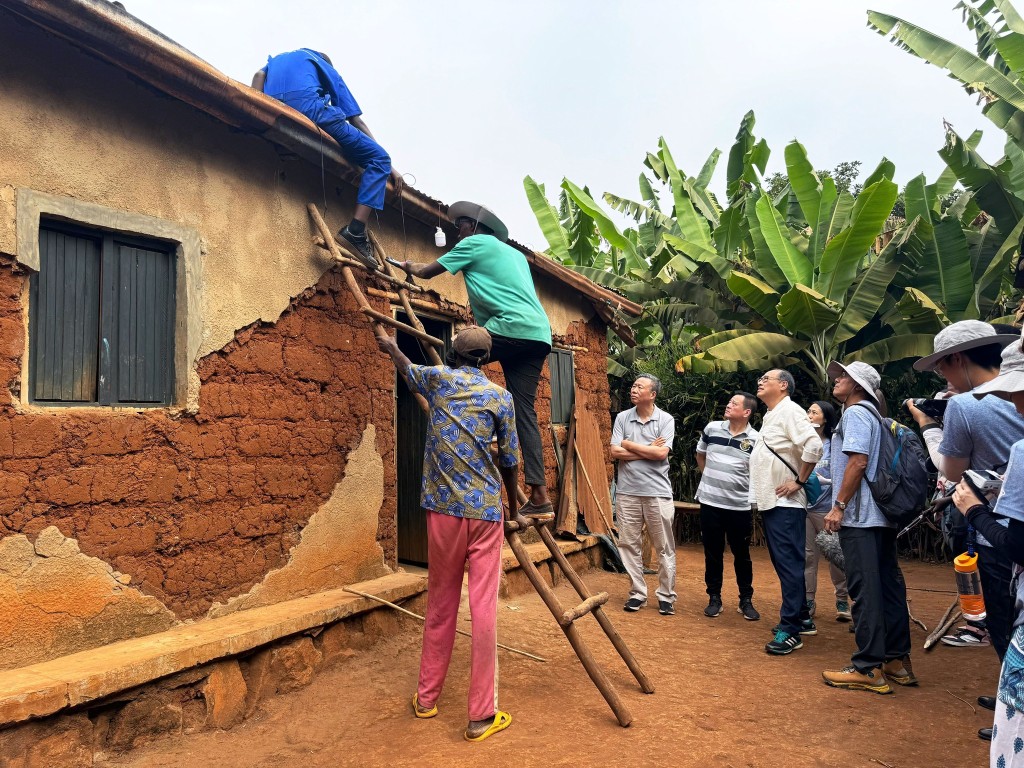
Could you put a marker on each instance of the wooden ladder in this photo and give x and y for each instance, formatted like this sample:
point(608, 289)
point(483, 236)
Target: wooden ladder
point(566, 619)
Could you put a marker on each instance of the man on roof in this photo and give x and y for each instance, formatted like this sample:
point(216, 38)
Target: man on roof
point(504, 301)
point(306, 81)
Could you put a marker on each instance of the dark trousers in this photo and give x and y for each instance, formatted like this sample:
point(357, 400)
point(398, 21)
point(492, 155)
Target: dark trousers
point(785, 530)
point(996, 572)
point(716, 526)
point(522, 361)
point(879, 593)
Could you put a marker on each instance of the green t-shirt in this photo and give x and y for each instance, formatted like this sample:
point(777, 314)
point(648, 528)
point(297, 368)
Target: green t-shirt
point(500, 288)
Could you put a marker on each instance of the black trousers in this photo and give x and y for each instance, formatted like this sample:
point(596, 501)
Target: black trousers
point(522, 361)
point(735, 525)
point(996, 572)
point(879, 593)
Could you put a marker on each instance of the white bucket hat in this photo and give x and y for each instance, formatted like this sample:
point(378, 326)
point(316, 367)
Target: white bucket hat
point(1010, 378)
point(862, 373)
point(967, 334)
point(480, 213)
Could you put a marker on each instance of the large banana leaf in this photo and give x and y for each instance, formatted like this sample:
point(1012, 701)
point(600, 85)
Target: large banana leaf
point(946, 180)
point(915, 312)
point(703, 179)
point(732, 232)
point(893, 348)
point(648, 194)
point(919, 199)
point(704, 201)
point(870, 289)
point(793, 264)
point(584, 239)
point(961, 63)
point(639, 211)
point(605, 225)
point(669, 314)
point(754, 346)
point(945, 273)
point(634, 290)
point(1006, 13)
point(806, 312)
point(547, 217)
point(804, 181)
point(739, 155)
point(758, 295)
point(843, 255)
point(763, 259)
point(990, 185)
point(692, 225)
point(700, 253)
point(704, 363)
point(886, 169)
point(833, 216)
point(998, 265)
point(705, 343)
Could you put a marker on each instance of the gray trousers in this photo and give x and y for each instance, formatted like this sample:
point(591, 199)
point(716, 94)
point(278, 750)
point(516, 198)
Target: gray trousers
point(659, 514)
point(815, 524)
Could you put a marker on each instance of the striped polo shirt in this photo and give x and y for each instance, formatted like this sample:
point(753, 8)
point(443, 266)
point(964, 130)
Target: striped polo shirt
point(726, 475)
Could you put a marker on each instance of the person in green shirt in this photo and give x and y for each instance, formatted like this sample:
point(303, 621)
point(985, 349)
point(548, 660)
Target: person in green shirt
point(504, 301)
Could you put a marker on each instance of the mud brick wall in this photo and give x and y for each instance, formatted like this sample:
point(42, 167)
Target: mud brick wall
point(198, 508)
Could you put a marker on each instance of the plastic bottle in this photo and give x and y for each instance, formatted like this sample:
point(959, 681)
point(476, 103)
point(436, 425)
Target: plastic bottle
point(439, 238)
point(968, 585)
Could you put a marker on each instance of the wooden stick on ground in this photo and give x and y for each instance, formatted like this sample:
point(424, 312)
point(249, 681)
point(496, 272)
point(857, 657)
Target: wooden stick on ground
point(462, 632)
point(949, 618)
point(914, 618)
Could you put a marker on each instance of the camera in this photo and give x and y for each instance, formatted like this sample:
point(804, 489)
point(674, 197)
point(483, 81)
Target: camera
point(983, 482)
point(935, 409)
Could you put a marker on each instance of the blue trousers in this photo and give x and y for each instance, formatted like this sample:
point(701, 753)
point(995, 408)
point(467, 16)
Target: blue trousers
point(785, 529)
point(355, 145)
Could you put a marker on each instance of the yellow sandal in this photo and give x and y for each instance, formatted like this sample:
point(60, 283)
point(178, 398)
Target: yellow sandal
point(432, 712)
point(502, 720)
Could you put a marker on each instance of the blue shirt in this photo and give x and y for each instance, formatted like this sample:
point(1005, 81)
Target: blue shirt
point(304, 73)
point(859, 431)
point(466, 411)
point(1010, 501)
point(823, 469)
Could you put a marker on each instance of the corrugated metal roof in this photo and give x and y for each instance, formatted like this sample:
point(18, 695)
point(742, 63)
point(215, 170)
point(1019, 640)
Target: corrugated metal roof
point(114, 35)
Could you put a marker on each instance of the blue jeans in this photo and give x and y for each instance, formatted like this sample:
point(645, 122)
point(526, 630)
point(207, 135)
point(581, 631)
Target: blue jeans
point(785, 529)
point(355, 145)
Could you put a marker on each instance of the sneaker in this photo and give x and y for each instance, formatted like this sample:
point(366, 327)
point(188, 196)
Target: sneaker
point(807, 627)
point(748, 610)
point(900, 671)
point(843, 611)
point(666, 608)
point(783, 643)
point(849, 678)
point(714, 606)
point(811, 607)
point(361, 248)
point(634, 604)
point(967, 637)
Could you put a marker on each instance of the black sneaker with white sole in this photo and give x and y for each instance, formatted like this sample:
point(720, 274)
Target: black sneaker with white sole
point(633, 605)
point(748, 610)
point(666, 608)
point(714, 606)
point(361, 247)
point(784, 643)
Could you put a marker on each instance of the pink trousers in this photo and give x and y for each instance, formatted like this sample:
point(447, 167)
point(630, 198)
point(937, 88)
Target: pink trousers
point(451, 543)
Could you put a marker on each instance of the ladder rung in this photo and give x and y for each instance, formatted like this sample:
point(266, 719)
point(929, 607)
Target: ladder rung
point(587, 606)
point(389, 320)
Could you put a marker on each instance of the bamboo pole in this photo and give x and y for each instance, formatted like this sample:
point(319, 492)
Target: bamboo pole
point(604, 685)
point(602, 618)
point(462, 632)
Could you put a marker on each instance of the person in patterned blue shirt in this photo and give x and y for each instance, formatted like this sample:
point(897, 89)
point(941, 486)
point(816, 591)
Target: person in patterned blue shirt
point(461, 494)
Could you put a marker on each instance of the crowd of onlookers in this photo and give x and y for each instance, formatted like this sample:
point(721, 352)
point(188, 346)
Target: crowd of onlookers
point(810, 474)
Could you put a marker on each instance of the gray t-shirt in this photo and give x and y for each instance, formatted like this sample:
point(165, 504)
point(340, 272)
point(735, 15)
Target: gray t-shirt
point(859, 431)
point(982, 431)
point(642, 477)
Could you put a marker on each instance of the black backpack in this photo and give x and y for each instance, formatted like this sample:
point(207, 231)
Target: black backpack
point(900, 488)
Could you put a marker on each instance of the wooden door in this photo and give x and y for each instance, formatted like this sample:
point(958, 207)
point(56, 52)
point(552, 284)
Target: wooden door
point(411, 434)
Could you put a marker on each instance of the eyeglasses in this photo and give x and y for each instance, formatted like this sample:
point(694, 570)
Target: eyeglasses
point(766, 377)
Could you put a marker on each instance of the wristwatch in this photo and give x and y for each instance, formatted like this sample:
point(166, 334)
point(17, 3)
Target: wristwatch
point(841, 505)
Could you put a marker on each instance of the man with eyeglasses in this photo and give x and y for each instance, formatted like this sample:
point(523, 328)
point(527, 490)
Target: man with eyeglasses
point(783, 458)
point(641, 442)
point(974, 434)
point(504, 301)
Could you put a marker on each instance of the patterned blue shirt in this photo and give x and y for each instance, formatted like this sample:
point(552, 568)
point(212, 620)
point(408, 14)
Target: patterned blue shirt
point(466, 411)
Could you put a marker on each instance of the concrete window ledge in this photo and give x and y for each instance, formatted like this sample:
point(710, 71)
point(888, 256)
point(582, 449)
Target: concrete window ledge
point(49, 687)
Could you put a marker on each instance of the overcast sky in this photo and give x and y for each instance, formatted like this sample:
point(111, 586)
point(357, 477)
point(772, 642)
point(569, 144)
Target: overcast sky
point(470, 96)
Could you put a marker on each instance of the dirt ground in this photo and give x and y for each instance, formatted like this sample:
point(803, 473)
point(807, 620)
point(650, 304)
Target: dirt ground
point(720, 700)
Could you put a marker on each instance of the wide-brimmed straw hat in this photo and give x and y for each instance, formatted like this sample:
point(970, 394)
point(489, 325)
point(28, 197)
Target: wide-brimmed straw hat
point(480, 213)
point(862, 373)
point(967, 334)
point(1010, 378)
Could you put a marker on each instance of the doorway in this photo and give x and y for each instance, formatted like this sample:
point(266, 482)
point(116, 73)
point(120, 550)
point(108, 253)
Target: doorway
point(411, 435)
